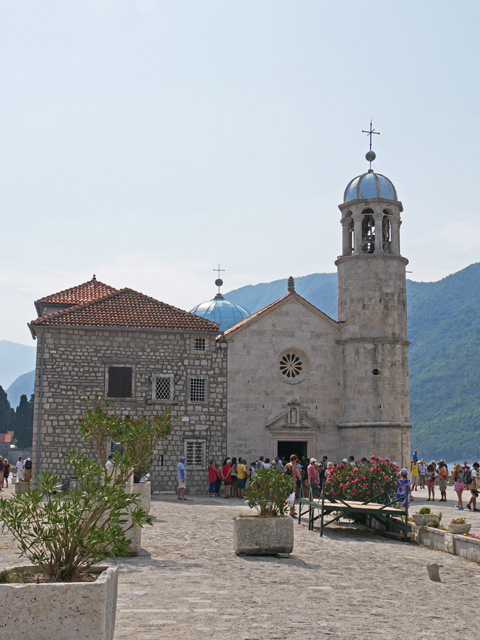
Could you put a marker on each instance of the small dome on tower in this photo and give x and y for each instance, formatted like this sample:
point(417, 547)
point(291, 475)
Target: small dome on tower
point(368, 186)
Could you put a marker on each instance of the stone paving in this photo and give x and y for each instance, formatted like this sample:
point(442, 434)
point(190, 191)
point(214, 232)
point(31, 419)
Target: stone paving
point(187, 582)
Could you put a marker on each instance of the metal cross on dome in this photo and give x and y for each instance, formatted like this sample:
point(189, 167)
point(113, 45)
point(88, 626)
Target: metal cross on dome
point(370, 133)
point(218, 281)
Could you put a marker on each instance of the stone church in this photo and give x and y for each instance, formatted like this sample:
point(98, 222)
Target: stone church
point(285, 379)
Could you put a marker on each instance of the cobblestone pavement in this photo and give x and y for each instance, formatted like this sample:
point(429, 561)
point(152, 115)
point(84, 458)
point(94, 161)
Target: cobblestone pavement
point(187, 582)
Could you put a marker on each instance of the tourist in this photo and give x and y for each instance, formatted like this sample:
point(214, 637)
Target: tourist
point(218, 481)
point(351, 460)
point(313, 478)
point(109, 465)
point(471, 480)
point(251, 471)
point(234, 488)
point(19, 467)
point(241, 478)
point(27, 470)
point(212, 479)
point(442, 480)
point(459, 486)
point(415, 455)
point(415, 473)
point(267, 464)
point(422, 468)
point(181, 478)
point(291, 469)
point(227, 477)
point(431, 475)
point(404, 487)
point(259, 463)
point(330, 470)
point(1, 472)
point(321, 475)
point(324, 461)
point(278, 463)
point(6, 472)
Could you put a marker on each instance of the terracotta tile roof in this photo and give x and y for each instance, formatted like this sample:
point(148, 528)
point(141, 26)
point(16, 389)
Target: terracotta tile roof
point(242, 323)
point(127, 309)
point(86, 292)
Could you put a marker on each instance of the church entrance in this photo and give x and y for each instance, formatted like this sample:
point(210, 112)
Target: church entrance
point(287, 448)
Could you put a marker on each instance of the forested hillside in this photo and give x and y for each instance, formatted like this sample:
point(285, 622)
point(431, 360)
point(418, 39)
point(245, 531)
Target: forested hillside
point(444, 329)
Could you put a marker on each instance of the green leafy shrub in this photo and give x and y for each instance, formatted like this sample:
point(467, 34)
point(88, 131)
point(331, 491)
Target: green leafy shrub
point(268, 492)
point(424, 511)
point(66, 532)
point(435, 520)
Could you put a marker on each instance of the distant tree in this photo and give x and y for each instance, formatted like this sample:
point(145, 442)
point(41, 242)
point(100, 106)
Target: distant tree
point(24, 422)
point(7, 414)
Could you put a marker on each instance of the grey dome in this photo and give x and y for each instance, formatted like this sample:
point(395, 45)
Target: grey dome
point(369, 186)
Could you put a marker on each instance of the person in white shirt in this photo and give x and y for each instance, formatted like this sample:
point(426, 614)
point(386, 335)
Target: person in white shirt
point(19, 467)
point(473, 486)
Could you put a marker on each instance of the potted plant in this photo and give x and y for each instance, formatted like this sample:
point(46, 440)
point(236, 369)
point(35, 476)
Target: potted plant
point(270, 531)
point(459, 525)
point(422, 516)
point(66, 533)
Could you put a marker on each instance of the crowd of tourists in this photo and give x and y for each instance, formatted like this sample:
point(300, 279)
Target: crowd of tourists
point(430, 475)
point(23, 469)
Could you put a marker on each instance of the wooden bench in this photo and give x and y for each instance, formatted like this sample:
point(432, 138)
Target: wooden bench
point(379, 508)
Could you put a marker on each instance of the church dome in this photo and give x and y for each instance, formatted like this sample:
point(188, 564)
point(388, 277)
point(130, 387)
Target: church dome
point(368, 186)
point(221, 311)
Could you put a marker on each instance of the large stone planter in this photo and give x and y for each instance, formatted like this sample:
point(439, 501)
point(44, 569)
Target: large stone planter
point(459, 528)
point(421, 519)
point(255, 536)
point(145, 491)
point(61, 610)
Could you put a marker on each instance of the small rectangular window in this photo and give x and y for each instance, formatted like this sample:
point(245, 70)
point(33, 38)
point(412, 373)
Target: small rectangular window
point(195, 453)
point(162, 387)
point(197, 390)
point(199, 344)
point(119, 382)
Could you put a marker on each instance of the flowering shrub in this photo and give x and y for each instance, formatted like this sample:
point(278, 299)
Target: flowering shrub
point(363, 481)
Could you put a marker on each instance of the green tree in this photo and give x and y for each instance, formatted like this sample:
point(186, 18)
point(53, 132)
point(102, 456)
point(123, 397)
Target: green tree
point(24, 422)
point(7, 414)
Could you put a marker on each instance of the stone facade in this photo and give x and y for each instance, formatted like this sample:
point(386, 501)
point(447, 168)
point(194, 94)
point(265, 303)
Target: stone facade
point(73, 364)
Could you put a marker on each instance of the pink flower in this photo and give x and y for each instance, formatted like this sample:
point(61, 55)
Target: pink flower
point(347, 478)
point(341, 485)
point(372, 469)
point(387, 459)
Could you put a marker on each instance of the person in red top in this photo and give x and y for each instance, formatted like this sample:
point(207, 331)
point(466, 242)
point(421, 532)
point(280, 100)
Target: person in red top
point(212, 479)
point(227, 477)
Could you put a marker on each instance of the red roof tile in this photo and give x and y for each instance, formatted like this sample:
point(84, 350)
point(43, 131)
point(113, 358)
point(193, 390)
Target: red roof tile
point(86, 292)
point(127, 309)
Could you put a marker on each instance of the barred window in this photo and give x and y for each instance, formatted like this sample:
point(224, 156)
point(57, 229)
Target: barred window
point(199, 344)
point(162, 388)
point(197, 390)
point(195, 453)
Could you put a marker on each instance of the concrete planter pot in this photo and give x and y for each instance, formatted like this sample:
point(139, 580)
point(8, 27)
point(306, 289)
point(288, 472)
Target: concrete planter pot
point(255, 536)
point(421, 519)
point(145, 491)
point(459, 528)
point(62, 610)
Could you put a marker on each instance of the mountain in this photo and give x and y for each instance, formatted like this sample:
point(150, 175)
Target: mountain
point(23, 385)
point(15, 360)
point(444, 356)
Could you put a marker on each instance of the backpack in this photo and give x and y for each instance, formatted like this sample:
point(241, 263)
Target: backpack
point(28, 464)
point(468, 477)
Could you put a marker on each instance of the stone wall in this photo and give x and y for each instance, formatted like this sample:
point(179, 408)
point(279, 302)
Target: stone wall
point(75, 362)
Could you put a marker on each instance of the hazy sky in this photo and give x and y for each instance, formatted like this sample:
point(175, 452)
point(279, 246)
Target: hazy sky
point(145, 141)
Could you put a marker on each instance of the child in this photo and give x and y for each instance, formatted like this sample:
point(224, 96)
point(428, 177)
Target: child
point(404, 487)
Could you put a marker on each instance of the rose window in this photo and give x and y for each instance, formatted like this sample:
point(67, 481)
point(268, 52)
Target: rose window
point(290, 365)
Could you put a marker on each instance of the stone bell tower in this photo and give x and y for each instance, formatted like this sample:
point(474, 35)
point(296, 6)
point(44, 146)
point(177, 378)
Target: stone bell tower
point(372, 311)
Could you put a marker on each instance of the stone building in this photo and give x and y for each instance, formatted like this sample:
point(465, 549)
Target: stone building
point(292, 378)
point(140, 354)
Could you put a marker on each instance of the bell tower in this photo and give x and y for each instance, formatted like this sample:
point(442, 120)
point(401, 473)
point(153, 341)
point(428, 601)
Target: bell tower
point(372, 311)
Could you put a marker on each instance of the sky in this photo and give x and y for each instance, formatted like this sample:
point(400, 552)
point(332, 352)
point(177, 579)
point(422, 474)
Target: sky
point(147, 141)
